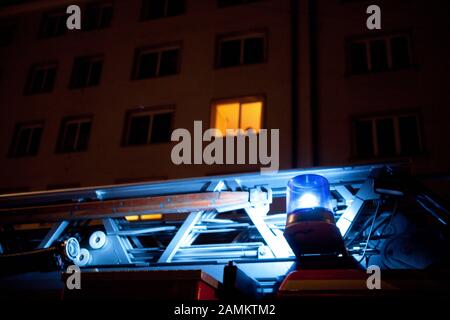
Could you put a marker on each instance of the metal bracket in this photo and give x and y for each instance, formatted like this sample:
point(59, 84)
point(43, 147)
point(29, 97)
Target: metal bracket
point(55, 232)
point(180, 237)
point(275, 242)
point(121, 245)
point(365, 193)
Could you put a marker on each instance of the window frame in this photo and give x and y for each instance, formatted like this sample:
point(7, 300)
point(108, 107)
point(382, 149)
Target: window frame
point(91, 59)
point(241, 100)
point(144, 18)
point(242, 36)
point(386, 37)
point(158, 49)
point(99, 4)
point(151, 111)
point(32, 75)
point(373, 118)
point(63, 132)
point(18, 128)
point(61, 12)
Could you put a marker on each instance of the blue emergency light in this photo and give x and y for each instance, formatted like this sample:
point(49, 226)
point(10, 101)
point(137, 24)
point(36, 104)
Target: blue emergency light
point(310, 225)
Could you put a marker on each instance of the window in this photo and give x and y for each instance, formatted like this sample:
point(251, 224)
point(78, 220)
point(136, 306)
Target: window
point(156, 62)
point(7, 32)
point(146, 127)
point(41, 78)
point(380, 54)
point(86, 72)
point(156, 9)
point(98, 16)
point(386, 136)
point(26, 140)
point(74, 135)
point(53, 24)
point(241, 50)
point(229, 3)
point(245, 114)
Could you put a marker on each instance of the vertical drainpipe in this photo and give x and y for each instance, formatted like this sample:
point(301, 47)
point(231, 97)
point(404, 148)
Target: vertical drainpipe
point(313, 58)
point(294, 83)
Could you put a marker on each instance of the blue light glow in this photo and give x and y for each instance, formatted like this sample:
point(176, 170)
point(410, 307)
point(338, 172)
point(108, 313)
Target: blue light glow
point(308, 191)
point(308, 200)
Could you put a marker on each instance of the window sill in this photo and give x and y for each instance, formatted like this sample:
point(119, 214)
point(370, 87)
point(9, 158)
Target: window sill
point(240, 65)
point(84, 87)
point(16, 157)
point(144, 20)
point(71, 152)
point(413, 67)
point(155, 77)
point(30, 94)
point(86, 30)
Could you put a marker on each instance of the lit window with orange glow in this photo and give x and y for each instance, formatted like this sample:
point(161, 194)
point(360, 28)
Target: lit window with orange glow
point(244, 114)
point(144, 217)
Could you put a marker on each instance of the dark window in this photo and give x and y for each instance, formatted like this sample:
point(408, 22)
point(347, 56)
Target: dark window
point(74, 135)
point(157, 62)
point(169, 62)
point(26, 140)
point(229, 3)
point(386, 137)
point(156, 9)
point(400, 52)
point(148, 127)
point(148, 65)
point(161, 127)
point(86, 72)
point(7, 32)
point(98, 16)
point(380, 54)
point(139, 130)
point(253, 50)
point(241, 51)
point(41, 79)
point(364, 138)
point(409, 135)
point(53, 24)
point(230, 53)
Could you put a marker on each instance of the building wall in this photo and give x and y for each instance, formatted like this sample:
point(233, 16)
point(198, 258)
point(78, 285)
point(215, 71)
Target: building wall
point(191, 91)
point(340, 95)
point(423, 87)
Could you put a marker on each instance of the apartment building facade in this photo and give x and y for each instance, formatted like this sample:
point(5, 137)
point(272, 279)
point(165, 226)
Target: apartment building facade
point(386, 91)
point(97, 106)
